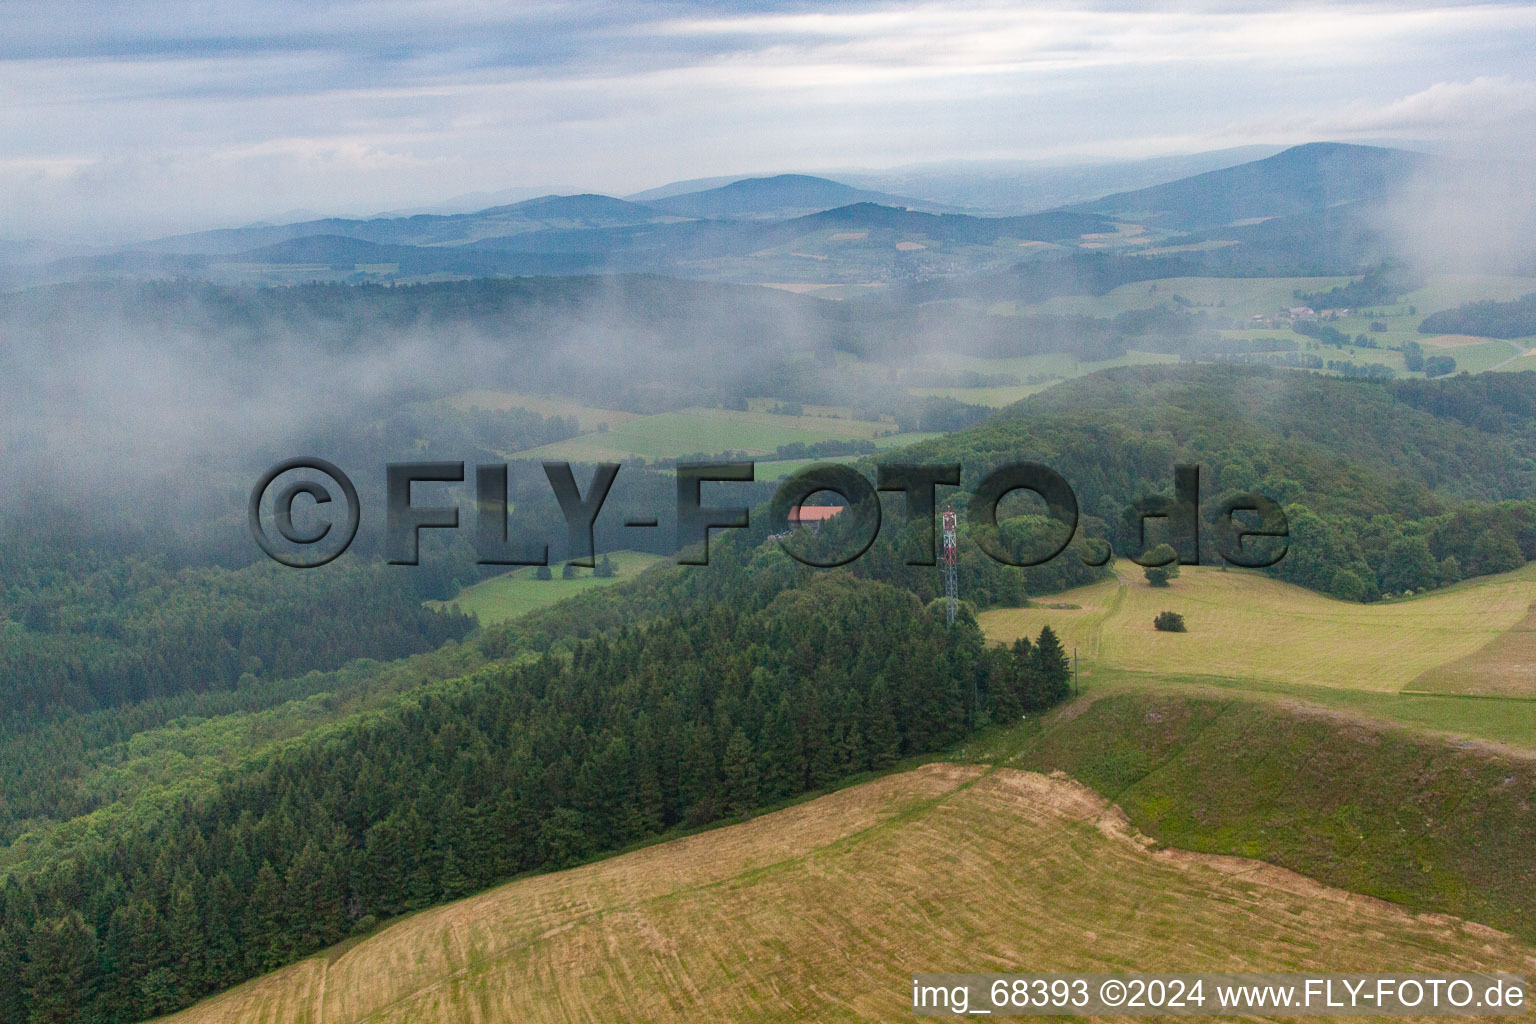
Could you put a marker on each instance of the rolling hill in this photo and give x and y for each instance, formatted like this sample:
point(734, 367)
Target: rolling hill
point(1006, 187)
point(954, 227)
point(823, 910)
point(1302, 179)
point(1300, 211)
point(1289, 635)
point(779, 197)
point(546, 212)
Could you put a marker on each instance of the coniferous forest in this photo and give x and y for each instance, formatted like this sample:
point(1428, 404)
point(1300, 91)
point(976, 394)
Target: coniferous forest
point(526, 764)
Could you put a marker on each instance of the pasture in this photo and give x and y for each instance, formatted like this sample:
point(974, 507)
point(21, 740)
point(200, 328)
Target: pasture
point(1443, 291)
point(514, 593)
point(673, 435)
point(822, 911)
point(1245, 625)
point(1045, 370)
point(1239, 297)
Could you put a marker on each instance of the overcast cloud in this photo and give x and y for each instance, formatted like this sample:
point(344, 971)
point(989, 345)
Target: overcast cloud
point(125, 119)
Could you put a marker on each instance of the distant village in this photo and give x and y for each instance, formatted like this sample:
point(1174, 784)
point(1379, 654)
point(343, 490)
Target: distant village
point(1286, 317)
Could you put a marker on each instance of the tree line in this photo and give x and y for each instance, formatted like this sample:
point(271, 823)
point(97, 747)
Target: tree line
point(521, 766)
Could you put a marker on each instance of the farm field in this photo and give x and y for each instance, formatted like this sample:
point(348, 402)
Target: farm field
point(1231, 296)
point(996, 397)
point(1243, 298)
point(511, 594)
point(1505, 666)
point(1508, 723)
point(1052, 368)
point(674, 435)
point(1237, 297)
point(778, 469)
point(1475, 355)
point(822, 910)
point(1446, 290)
point(1244, 625)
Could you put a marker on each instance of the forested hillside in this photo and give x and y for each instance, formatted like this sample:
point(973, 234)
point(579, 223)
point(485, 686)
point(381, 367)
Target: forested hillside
point(82, 628)
point(1387, 486)
point(789, 684)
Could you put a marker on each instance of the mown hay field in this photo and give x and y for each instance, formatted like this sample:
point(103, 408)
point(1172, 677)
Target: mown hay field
point(824, 910)
point(1245, 625)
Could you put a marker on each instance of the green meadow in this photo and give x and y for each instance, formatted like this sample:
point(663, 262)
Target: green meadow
point(1046, 370)
point(515, 593)
point(1243, 624)
point(673, 435)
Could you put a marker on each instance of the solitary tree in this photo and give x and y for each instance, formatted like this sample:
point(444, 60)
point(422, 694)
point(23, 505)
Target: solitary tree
point(1164, 565)
point(1052, 670)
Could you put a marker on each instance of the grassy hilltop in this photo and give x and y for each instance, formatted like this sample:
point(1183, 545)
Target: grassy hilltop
point(977, 862)
point(1247, 626)
point(822, 911)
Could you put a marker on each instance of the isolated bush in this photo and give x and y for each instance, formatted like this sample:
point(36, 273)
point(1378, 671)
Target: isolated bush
point(1169, 622)
point(1165, 565)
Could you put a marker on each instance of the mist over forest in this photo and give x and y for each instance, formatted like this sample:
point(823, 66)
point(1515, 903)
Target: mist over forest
point(1258, 286)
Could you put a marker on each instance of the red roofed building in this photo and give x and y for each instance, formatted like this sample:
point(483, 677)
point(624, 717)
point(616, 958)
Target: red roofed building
point(802, 515)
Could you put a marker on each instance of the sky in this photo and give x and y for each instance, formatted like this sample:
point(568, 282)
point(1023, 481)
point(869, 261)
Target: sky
point(122, 120)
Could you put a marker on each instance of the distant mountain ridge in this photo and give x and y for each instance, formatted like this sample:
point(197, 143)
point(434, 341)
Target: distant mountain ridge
point(1302, 179)
point(778, 197)
point(1007, 187)
point(585, 211)
point(1306, 210)
point(1299, 180)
